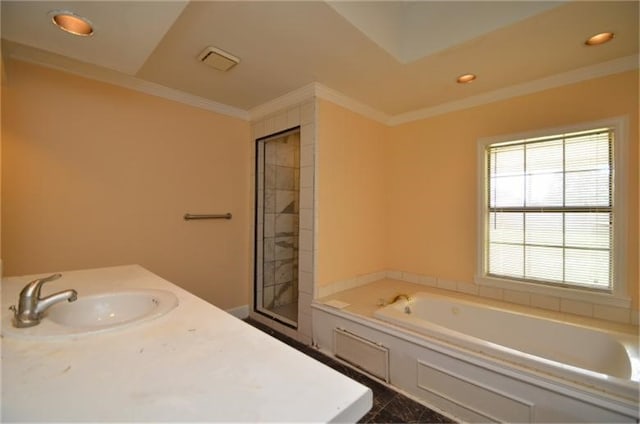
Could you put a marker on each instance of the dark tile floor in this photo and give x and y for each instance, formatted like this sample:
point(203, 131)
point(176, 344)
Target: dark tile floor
point(389, 406)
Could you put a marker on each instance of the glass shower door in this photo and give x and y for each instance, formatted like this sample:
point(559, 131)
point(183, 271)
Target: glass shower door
point(277, 226)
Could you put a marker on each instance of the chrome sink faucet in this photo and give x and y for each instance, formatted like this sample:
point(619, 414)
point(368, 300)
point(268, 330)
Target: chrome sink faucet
point(31, 305)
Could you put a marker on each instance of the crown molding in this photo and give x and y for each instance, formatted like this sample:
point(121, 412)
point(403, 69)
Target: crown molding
point(285, 101)
point(317, 90)
point(611, 67)
point(347, 102)
point(126, 81)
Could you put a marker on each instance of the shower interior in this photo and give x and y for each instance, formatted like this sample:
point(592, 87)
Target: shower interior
point(277, 226)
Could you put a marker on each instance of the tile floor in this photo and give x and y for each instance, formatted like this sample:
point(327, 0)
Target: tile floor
point(389, 406)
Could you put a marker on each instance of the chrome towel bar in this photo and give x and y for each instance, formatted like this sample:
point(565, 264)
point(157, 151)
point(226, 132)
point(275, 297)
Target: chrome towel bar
point(189, 216)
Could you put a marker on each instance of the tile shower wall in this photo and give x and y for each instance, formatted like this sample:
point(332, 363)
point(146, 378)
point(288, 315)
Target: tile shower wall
point(304, 116)
point(281, 219)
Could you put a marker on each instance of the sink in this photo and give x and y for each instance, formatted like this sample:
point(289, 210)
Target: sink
point(99, 312)
point(112, 309)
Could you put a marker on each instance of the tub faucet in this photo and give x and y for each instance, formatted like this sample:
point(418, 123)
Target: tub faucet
point(407, 309)
point(31, 305)
point(401, 296)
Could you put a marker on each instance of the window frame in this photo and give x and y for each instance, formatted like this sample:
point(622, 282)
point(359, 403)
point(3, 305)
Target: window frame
point(618, 295)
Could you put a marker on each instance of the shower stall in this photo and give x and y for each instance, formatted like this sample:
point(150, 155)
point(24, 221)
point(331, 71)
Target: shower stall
point(277, 226)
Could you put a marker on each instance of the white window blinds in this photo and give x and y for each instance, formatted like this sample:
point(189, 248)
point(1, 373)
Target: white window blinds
point(550, 209)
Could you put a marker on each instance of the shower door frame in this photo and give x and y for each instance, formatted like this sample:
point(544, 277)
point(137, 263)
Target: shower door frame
point(258, 305)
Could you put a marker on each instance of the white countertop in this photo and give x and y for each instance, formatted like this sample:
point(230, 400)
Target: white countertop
point(196, 363)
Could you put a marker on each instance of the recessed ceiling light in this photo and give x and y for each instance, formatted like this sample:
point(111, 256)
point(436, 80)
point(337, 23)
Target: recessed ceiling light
point(601, 38)
point(71, 23)
point(466, 78)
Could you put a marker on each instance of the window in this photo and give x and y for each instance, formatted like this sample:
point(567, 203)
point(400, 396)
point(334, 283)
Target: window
point(550, 215)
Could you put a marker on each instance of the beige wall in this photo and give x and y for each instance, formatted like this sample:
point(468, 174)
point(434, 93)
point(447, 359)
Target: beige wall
point(404, 198)
point(352, 217)
point(95, 175)
point(433, 175)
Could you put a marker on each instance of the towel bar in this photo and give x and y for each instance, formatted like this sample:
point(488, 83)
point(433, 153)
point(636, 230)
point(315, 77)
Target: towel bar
point(188, 216)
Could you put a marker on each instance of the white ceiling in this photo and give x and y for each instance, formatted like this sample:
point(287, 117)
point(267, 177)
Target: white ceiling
point(411, 30)
point(126, 33)
point(395, 57)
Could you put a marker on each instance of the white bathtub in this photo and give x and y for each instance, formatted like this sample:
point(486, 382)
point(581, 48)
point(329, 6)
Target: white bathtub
point(607, 361)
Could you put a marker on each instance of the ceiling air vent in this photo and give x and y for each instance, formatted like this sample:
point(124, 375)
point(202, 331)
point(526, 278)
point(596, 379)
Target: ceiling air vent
point(218, 59)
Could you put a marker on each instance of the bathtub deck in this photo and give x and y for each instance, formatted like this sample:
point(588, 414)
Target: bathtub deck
point(364, 301)
point(472, 381)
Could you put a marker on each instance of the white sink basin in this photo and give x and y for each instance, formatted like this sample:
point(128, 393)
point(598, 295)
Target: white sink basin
point(99, 313)
point(112, 309)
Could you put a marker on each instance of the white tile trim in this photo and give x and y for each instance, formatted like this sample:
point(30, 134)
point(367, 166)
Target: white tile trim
point(624, 315)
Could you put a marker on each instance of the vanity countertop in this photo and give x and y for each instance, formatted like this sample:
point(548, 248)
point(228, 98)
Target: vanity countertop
point(196, 363)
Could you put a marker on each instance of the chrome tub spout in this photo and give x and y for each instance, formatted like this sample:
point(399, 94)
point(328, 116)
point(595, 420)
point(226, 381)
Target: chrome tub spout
point(407, 309)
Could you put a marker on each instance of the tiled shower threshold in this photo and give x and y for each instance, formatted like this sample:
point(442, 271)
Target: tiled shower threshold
point(389, 406)
point(289, 311)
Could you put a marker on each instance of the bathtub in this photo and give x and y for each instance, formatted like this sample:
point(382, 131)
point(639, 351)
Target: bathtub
point(584, 355)
point(479, 363)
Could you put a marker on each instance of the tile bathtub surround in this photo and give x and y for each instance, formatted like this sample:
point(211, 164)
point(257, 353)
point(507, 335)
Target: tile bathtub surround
point(365, 300)
point(389, 406)
point(361, 280)
point(551, 303)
